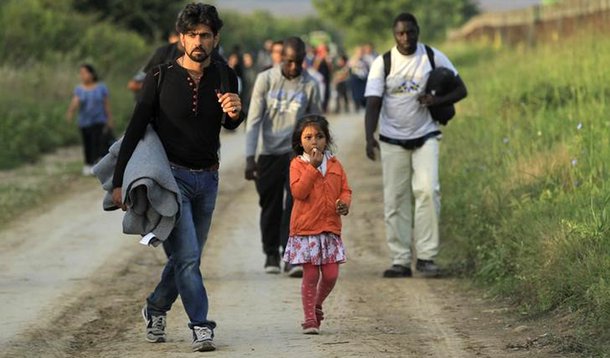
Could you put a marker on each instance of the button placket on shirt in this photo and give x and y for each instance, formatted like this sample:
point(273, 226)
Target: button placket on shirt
point(195, 92)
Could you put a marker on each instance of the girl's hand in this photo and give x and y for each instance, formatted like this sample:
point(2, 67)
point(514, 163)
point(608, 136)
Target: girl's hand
point(342, 208)
point(316, 157)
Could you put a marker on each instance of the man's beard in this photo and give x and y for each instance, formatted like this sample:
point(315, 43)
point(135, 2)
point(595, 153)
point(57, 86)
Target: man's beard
point(198, 57)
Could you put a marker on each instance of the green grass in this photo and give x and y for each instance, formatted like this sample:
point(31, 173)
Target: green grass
point(524, 172)
point(31, 186)
point(38, 74)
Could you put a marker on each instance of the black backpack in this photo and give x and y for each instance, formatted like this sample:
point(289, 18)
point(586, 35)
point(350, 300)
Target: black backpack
point(441, 114)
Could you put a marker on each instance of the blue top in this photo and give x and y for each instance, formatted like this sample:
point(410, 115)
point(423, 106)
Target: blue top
point(91, 105)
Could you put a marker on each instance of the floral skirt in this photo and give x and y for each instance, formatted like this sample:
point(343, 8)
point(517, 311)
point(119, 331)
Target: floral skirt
point(321, 249)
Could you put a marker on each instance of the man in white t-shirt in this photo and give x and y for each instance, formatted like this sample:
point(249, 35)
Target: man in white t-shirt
point(409, 146)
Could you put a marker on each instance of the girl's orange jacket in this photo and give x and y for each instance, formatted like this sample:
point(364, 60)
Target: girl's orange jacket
point(314, 209)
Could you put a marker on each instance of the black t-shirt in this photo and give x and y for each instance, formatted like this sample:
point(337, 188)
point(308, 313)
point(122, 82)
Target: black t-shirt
point(187, 118)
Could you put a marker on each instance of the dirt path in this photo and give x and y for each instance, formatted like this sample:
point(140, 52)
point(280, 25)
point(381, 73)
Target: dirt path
point(72, 286)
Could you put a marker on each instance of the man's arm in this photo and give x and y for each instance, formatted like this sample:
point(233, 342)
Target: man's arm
point(371, 119)
point(253, 126)
point(314, 105)
point(135, 131)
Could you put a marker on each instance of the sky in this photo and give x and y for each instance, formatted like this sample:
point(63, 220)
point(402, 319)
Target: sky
point(304, 7)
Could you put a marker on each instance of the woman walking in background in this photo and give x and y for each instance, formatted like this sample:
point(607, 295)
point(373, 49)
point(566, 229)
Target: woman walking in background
point(94, 116)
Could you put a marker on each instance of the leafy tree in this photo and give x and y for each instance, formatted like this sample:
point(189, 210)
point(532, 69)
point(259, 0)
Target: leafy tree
point(250, 31)
point(150, 18)
point(371, 21)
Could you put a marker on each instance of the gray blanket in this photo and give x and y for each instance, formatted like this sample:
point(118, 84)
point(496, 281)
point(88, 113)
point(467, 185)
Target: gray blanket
point(150, 191)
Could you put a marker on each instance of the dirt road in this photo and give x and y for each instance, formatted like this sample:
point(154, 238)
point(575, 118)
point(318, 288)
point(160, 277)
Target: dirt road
point(72, 286)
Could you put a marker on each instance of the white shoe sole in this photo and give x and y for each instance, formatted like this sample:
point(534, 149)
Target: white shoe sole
point(312, 330)
point(296, 271)
point(273, 269)
point(206, 346)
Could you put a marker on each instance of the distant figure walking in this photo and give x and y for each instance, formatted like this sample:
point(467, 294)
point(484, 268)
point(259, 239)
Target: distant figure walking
point(94, 115)
point(281, 95)
point(321, 195)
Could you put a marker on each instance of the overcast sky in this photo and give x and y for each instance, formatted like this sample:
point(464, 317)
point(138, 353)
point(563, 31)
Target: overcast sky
point(304, 7)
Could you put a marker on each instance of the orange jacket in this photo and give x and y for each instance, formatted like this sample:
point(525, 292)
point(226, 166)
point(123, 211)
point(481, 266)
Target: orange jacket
point(315, 197)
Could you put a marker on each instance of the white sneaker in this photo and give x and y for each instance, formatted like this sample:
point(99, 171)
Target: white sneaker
point(87, 170)
point(203, 339)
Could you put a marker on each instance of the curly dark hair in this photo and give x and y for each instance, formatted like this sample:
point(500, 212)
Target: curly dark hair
point(195, 14)
point(320, 123)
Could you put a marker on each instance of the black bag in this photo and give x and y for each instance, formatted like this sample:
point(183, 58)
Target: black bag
point(441, 81)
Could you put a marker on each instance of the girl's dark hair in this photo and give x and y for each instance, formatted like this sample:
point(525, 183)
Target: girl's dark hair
point(311, 120)
point(195, 14)
point(91, 70)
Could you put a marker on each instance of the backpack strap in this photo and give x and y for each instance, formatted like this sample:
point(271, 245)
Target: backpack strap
point(387, 63)
point(430, 53)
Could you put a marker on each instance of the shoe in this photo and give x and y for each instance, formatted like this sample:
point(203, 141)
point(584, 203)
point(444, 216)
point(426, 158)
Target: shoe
point(319, 314)
point(87, 170)
point(427, 268)
point(272, 264)
point(311, 327)
point(293, 270)
point(398, 271)
point(155, 326)
point(203, 339)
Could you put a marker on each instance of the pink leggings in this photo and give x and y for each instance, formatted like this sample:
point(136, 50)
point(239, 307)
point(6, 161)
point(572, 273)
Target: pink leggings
point(315, 288)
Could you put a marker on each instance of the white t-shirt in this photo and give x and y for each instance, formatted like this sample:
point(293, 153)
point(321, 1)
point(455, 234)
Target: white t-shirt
point(402, 116)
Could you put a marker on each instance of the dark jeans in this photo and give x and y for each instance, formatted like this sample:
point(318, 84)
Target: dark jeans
point(342, 96)
point(92, 142)
point(181, 275)
point(275, 200)
point(358, 86)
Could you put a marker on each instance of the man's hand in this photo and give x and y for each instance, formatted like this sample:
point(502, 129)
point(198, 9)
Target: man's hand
point(251, 169)
point(428, 100)
point(316, 157)
point(342, 208)
point(371, 145)
point(117, 198)
point(231, 104)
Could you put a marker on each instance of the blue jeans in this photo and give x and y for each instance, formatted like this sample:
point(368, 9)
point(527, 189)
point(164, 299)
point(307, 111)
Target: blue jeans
point(181, 275)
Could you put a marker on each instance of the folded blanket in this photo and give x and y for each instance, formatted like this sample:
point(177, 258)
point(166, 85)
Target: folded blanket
point(150, 191)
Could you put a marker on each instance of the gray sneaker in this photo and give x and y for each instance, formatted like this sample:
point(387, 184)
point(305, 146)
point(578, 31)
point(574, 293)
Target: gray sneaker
point(155, 326)
point(203, 339)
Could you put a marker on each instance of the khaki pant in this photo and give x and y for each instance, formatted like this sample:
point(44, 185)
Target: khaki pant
point(408, 175)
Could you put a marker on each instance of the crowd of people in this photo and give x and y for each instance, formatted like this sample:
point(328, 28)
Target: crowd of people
point(341, 78)
point(189, 91)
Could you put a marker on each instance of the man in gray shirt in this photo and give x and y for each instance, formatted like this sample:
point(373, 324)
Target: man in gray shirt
point(281, 95)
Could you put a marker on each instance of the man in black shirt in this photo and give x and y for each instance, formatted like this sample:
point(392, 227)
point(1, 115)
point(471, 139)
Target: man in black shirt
point(188, 113)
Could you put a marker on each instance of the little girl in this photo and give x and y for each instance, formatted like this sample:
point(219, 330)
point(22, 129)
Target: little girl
point(321, 194)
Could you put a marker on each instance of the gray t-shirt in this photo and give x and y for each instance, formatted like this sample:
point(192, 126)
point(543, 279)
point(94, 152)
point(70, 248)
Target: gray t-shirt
point(277, 103)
